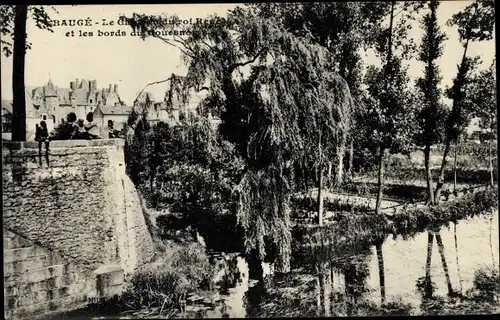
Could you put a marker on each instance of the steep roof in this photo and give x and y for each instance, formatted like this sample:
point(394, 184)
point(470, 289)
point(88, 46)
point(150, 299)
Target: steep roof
point(31, 111)
point(6, 106)
point(115, 110)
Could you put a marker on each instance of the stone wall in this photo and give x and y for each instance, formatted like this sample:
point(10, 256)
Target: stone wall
point(76, 201)
point(38, 280)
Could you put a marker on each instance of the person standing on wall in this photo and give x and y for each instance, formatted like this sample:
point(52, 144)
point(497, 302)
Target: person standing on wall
point(42, 136)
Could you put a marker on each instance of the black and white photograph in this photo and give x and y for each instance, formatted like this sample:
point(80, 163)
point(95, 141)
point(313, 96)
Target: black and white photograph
point(249, 160)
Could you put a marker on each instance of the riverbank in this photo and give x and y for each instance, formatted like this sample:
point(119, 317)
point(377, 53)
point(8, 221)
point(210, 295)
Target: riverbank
point(179, 283)
point(358, 228)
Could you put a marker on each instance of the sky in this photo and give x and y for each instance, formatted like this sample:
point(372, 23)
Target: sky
point(132, 62)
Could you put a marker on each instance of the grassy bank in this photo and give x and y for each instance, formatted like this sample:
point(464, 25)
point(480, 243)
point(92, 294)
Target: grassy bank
point(159, 289)
point(356, 229)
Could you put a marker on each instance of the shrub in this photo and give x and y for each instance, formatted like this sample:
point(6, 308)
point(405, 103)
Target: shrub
point(166, 282)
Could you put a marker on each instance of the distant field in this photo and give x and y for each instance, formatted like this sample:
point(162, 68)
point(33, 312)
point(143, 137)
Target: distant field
point(468, 156)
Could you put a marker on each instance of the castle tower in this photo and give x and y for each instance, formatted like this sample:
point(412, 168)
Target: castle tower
point(51, 102)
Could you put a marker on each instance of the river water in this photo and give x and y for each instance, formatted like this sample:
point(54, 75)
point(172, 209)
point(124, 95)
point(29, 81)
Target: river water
point(450, 257)
point(327, 283)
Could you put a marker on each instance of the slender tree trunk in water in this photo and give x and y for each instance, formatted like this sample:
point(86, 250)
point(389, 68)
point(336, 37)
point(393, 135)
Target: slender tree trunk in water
point(339, 173)
point(491, 242)
point(326, 292)
point(320, 183)
point(443, 261)
point(18, 85)
point(320, 197)
point(491, 163)
point(455, 168)
point(332, 288)
point(351, 157)
point(428, 173)
point(456, 252)
point(255, 270)
point(428, 285)
point(381, 271)
point(318, 295)
point(439, 186)
point(329, 174)
point(380, 179)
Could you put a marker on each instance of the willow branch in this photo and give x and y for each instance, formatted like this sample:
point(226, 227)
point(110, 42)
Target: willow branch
point(242, 64)
point(150, 84)
point(174, 45)
point(209, 46)
point(179, 40)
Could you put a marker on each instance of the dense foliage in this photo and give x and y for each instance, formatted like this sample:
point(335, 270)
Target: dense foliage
point(287, 84)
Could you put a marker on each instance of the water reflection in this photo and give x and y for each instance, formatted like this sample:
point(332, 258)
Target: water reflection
point(456, 254)
point(381, 274)
point(334, 281)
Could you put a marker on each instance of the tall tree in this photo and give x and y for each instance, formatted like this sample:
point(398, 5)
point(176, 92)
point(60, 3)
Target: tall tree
point(13, 22)
point(475, 23)
point(277, 116)
point(432, 115)
point(389, 87)
point(483, 95)
point(341, 28)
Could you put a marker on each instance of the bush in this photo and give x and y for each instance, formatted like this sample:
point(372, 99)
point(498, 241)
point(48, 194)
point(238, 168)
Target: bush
point(167, 281)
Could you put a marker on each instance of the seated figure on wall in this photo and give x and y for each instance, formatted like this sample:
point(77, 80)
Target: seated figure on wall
point(91, 127)
point(42, 135)
point(80, 131)
point(112, 133)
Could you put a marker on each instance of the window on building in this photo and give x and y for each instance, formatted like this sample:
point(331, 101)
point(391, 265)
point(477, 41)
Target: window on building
point(90, 100)
point(44, 117)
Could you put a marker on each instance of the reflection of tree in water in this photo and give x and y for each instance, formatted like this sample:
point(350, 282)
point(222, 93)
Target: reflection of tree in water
point(231, 274)
point(476, 300)
point(349, 261)
point(253, 298)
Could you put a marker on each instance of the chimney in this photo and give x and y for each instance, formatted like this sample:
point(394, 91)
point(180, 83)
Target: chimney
point(77, 83)
point(116, 88)
point(94, 85)
point(110, 88)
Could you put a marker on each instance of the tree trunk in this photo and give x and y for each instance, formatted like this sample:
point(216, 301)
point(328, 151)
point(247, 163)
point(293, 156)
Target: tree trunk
point(320, 182)
point(456, 252)
point(439, 185)
point(455, 168)
point(351, 157)
point(329, 174)
point(428, 173)
point(320, 197)
point(491, 241)
point(491, 162)
point(381, 271)
point(443, 261)
point(428, 283)
point(326, 292)
point(18, 86)
point(380, 178)
point(339, 174)
point(318, 295)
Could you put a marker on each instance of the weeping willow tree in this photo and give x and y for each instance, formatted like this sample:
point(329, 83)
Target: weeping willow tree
point(280, 104)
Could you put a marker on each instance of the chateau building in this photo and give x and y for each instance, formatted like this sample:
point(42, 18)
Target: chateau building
point(52, 103)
